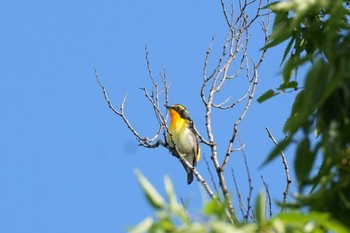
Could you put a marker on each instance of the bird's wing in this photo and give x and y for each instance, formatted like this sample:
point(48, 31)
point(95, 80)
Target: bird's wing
point(196, 146)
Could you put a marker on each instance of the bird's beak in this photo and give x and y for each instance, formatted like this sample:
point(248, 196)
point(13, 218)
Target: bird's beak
point(167, 106)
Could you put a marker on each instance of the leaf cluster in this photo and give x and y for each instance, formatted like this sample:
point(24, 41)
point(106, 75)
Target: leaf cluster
point(171, 216)
point(311, 29)
point(318, 34)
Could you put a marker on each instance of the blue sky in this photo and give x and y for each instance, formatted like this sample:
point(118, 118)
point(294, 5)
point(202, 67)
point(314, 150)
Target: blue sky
point(66, 161)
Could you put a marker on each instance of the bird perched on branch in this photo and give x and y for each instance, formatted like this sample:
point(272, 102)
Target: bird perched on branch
point(182, 137)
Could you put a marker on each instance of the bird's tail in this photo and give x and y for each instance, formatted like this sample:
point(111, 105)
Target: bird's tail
point(189, 173)
point(189, 177)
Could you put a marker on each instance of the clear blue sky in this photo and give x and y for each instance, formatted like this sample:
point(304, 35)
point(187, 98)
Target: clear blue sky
point(66, 161)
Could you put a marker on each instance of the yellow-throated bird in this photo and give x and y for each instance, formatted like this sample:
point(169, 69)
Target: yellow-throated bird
point(182, 137)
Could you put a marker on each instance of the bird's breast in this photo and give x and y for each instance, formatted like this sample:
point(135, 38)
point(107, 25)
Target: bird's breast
point(184, 140)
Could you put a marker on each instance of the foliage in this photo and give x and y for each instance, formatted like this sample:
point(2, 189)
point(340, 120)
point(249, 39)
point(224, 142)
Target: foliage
point(318, 34)
point(171, 216)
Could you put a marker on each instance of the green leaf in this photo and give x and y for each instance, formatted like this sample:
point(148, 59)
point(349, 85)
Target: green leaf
point(260, 209)
point(301, 9)
point(304, 160)
point(267, 95)
point(215, 208)
point(324, 171)
point(300, 112)
point(277, 150)
point(143, 226)
point(320, 222)
point(287, 50)
point(294, 122)
point(280, 17)
point(281, 31)
point(297, 217)
point(165, 224)
point(170, 192)
point(288, 85)
point(221, 227)
point(292, 64)
point(321, 82)
point(174, 207)
point(335, 226)
point(151, 193)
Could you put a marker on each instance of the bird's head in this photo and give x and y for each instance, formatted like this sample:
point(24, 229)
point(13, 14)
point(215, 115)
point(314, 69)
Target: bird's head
point(178, 111)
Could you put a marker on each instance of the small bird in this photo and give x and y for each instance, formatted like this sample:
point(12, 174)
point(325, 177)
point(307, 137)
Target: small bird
point(182, 137)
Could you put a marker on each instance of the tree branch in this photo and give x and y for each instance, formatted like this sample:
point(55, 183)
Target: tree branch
point(286, 169)
point(154, 99)
point(268, 196)
point(235, 46)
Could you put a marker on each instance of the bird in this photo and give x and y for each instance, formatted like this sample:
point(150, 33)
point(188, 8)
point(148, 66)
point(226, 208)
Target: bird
point(182, 137)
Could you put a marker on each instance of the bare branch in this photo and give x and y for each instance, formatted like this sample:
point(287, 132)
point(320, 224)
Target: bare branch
point(205, 77)
point(224, 11)
point(162, 120)
point(166, 88)
point(268, 195)
point(249, 198)
point(235, 48)
point(252, 81)
point(197, 174)
point(153, 98)
point(144, 141)
point(240, 197)
point(286, 169)
point(233, 62)
point(201, 138)
point(211, 176)
point(245, 212)
point(185, 208)
point(236, 124)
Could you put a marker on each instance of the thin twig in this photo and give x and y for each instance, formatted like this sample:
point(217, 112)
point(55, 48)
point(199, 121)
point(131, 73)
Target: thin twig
point(286, 169)
point(185, 208)
point(144, 141)
point(235, 46)
point(211, 175)
point(268, 195)
point(243, 207)
point(249, 198)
